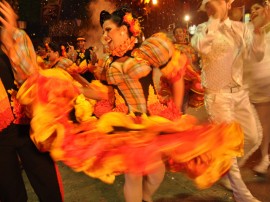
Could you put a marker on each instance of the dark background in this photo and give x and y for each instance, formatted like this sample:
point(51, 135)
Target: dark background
point(154, 18)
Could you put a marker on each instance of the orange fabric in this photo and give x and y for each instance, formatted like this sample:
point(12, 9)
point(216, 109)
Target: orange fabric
point(116, 143)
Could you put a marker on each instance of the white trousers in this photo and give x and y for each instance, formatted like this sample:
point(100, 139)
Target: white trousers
point(229, 107)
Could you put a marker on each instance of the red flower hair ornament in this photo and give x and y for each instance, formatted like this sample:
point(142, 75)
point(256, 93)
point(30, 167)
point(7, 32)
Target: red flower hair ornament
point(134, 24)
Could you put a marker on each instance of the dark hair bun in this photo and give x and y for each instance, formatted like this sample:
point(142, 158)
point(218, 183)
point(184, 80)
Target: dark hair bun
point(121, 12)
point(104, 15)
point(117, 16)
point(54, 46)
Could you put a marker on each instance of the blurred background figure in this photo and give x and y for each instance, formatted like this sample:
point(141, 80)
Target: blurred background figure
point(237, 13)
point(181, 35)
point(83, 56)
point(257, 75)
point(194, 92)
point(42, 56)
point(15, 139)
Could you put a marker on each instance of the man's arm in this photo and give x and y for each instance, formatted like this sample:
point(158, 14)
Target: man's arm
point(72, 54)
point(202, 40)
point(22, 56)
point(17, 45)
point(256, 42)
point(205, 34)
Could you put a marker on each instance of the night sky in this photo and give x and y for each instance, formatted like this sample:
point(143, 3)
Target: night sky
point(159, 17)
point(73, 9)
point(30, 9)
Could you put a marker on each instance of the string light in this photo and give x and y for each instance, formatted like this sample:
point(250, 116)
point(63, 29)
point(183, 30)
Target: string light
point(155, 2)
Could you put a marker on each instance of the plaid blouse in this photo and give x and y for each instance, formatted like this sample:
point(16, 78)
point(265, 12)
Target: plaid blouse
point(155, 52)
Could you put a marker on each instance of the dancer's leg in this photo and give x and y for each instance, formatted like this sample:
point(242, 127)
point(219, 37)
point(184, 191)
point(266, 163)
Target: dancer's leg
point(240, 190)
point(263, 110)
point(133, 187)
point(152, 182)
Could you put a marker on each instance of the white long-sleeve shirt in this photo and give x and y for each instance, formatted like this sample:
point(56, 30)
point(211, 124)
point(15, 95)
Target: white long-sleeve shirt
point(223, 47)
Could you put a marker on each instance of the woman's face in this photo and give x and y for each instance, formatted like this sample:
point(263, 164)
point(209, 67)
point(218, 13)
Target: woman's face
point(258, 17)
point(113, 36)
point(41, 51)
point(52, 55)
point(180, 35)
point(81, 44)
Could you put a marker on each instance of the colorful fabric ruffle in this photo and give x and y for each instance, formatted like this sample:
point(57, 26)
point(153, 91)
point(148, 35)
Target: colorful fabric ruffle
point(19, 111)
point(192, 77)
point(194, 88)
point(117, 143)
point(6, 115)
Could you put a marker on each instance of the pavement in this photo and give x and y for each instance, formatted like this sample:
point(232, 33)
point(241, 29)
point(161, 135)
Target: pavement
point(176, 187)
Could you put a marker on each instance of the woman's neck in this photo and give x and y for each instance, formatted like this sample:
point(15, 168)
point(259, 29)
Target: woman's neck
point(122, 49)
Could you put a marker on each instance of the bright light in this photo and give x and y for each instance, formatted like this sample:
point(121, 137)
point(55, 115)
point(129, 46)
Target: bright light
point(192, 29)
point(186, 18)
point(146, 1)
point(154, 2)
point(247, 18)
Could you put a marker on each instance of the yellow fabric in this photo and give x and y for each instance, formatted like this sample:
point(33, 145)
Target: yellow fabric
point(6, 115)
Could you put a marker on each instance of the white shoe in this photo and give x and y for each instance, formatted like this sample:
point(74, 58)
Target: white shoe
point(262, 167)
point(251, 200)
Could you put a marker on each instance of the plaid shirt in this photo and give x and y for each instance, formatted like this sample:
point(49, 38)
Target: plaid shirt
point(22, 56)
point(23, 60)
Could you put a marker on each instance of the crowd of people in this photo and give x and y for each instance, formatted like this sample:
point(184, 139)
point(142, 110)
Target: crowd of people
point(125, 112)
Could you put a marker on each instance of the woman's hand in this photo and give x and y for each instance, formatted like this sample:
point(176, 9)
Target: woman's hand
point(96, 93)
point(267, 11)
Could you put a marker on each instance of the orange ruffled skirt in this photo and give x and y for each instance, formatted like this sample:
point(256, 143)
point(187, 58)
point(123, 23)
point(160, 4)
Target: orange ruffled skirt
point(117, 143)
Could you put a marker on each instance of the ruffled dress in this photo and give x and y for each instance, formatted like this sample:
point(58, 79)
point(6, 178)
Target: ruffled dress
point(133, 131)
point(194, 91)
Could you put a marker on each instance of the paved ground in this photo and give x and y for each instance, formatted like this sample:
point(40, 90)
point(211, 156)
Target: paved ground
point(175, 188)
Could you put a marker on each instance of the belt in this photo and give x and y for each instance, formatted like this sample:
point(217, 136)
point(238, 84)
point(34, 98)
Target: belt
point(227, 90)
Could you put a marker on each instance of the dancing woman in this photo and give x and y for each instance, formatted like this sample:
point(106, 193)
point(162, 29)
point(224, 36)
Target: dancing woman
point(135, 140)
point(129, 69)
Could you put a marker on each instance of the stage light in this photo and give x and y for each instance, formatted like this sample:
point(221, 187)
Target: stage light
point(187, 18)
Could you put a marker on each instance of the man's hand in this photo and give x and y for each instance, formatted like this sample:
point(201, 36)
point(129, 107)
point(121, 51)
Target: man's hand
point(9, 23)
point(70, 48)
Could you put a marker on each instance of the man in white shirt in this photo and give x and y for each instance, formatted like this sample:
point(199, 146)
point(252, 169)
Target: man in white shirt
point(223, 45)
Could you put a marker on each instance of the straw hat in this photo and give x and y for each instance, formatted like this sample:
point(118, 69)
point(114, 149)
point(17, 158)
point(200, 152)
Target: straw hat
point(202, 7)
point(81, 39)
